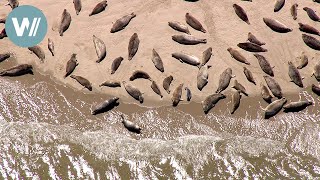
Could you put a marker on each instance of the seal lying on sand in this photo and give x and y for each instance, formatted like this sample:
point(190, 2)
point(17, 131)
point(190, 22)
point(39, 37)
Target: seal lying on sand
point(157, 61)
point(166, 83)
point(303, 61)
point(312, 14)
point(4, 56)
point(264, 64)
point(99, 8)
point(311, 42)
point(238, 56)
point(65, 22)
point(235, 100)
point(133, 46)
point(105, 106)
point(202, 77)
point(121, 23)
point(316, 71)
point(273, 86)
point(189, 59)
point(176, 96)
point(252, 38)
point(133, 91)
point(278, 5)
point(179, 27)
point(294, 75)
point(130, 126)
point(139, 74)
point(240, 87)
point(241, 13)
point(188, 39)
point(294, 11)
point(71, 65)
point(206, 55)
point(156, 89)
point(77, 6)
point(189, 94)
point(296, 106)
point(251, 47)
point(277, 26)
point(210, 101)
point(18, 70)
point(111, 84)
point(194, 23)
point(100, 48)
point(38, 51)
point(316, 89)
point(51, 46)
point(249, 75)
point(274, 107)
point(265, 93)
point(83, 81)
point(308, 29)
point(224, 80)
point(115, 64)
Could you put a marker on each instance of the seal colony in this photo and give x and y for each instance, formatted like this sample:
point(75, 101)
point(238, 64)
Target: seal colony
point(249, 67)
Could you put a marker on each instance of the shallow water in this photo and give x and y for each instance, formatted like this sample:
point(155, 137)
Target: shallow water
point(46, 131)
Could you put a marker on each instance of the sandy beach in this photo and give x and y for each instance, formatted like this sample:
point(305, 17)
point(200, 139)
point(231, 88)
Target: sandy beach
point(224, 29)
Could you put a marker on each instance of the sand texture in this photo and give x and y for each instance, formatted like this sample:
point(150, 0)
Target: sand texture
point(224, 29)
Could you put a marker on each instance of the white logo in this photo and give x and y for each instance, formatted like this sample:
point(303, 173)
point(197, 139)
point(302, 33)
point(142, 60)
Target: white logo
point(25, 25)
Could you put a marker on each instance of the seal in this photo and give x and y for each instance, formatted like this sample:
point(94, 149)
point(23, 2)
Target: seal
point(187, 39)
point(206, 55)
point(308, 29)
point(241, 13)
point(239, 87)
point(83, 81)
point(252, 38)
point(312, 14)
point(276, 25)
point(202, 77)
point(296, 106)
point(157, 61)
point(224, 80)
point(194, 23)
point(51, 46)
point(166, 83)
point(139, 74)
point(18, 70)
point(189, 94)
point(273, 86)
point(249, 75)
point(278, 5)
point(274, 107)
point(38, 51)
point(185, 58)
point(310, 41)
point(265, 93)
point(71, 65)
point(251, 47)
point(316, 71)
point(111, 84)
point(99, 8)
point(100, 48)
point(210, 101)
point(116, 64)
point(294, 11)
point(121, 23)
point(77, 6)
point(238, 56)
point(303, 61)
point(3, 34)
point(295, 75)
point(133, 91)
point(13, 3)
point(156, 88)
point(105, 106)
point(176, 96)
point(133, 45)
point(316, 89)
point(65, 22)
point(179, 27)
point(130, 126)
point(4, 56)
point(264, 64)
point(235, 101)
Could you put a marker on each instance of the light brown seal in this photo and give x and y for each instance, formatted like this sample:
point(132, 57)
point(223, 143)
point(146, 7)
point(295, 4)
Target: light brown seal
point(156, 88)
point(121, 23)
point(210, 101)
point(130, 126)
point(77, 6)
point(133, 91)
point(278, 5)
point(157, 61)
point(308, 29)
point(249, 75)
point(294, 75)
point(273, 86)
point(105, 106)
point(316, 71)
point(139, 74)
point(4, 56)
point(51, 46)
point(83, 81)
point(185, 58)
point(133, 46)
point(251, 47)
point(65, 22)
point(194, 23)
point(276, 25)
point(71, 65)
point(296, 106)
point(100, 48)
point(116, 64)
point(224, 80)
point(187, 39)
point(235, 101)
point(111, 84)
point(310, 41)
point(252, 38)
point(265, 93)
point(176, 96)
point(264, 64)
point(18, 70)
point(202, 77)
point(294, 11)
point(312, 14)
point(206, 55)
point(239, 87)
point(179, 27)
point(166, 83)
point(274, 107)
point(303, 61)
point(99, 8)
point(241, 13)
point(316, 89)
point(38, 51)
point(238, 56)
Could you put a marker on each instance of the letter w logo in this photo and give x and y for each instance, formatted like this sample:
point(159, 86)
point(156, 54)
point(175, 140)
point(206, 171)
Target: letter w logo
point(25, 24)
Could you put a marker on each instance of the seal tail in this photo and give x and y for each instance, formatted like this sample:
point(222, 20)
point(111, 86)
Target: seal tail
point(203, 41)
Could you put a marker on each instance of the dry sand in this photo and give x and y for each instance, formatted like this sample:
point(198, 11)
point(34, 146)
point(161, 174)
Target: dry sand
point(224, 29)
